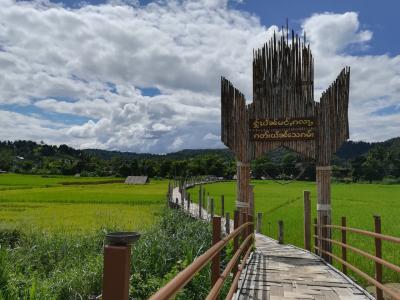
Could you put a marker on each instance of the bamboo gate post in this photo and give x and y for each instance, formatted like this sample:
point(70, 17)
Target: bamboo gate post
point(307, 221)
point(323, 176)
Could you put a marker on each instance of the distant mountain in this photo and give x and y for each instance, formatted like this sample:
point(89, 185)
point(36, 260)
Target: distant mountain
point(351, 150)
point(348, 151)
point(182, 154)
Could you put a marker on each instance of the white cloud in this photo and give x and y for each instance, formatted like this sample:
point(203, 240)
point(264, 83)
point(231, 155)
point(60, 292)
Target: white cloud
point(375, 79)
point(93, 61)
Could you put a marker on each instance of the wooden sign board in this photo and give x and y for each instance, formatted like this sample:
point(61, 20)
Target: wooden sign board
point(287, 129)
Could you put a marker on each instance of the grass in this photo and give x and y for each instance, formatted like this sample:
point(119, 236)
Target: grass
point(358, 202)
point(47, 210)
point(77, 217)
point(36, 265)
point(46, 204)
point(22, 181)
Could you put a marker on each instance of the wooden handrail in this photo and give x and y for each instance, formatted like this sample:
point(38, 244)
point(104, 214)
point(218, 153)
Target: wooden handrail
point(363, 232)
point(179, 281)
point(363, 253)
point(387, 290)
point(218, 285)
point(237, 276)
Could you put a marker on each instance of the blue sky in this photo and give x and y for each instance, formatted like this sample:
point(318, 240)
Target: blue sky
point(145, 77)
point(381, 17)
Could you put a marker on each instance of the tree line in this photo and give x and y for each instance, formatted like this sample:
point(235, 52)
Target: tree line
point(354, 162)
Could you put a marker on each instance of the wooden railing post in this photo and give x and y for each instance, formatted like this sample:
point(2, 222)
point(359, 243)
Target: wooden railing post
point(227, 223)
point(200, 193)
point(316, 242)
point(212, 208)
point(259, 222)
point(236, 224)
point(307, 221)
point(188, 202)
point(117, 257)
point(222, 205)
point(280, 232)
point(251, 227)
point(242, 221)
point(208, 202)
point(344, 241)
point(249, 219)
point(183, 199)
point(216, 237)
point(378, 253)
point(325, 244)
point(200, 208)
point(203, 197)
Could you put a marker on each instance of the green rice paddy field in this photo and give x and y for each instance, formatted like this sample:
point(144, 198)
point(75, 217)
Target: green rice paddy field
point(73, 204)
point(358, 202)
point(46, 204)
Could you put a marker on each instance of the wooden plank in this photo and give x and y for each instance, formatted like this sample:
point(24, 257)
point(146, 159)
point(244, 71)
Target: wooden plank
point(288, 272)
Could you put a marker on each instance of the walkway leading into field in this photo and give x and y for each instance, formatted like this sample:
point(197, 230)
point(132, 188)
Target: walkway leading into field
point(195, 212)
point(283, 272)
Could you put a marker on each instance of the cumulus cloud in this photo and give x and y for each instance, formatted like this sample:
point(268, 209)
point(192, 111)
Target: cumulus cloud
point(375, 79)
point(95, 63)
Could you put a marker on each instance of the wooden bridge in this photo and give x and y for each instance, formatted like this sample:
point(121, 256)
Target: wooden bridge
point(260, 267)
point(275, 271)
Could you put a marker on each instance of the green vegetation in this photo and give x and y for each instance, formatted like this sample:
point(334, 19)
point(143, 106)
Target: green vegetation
point(51, 234)
point(10, 181)
point(45, 203)
point(358, 202)
point(354, 162)
point(36, 265)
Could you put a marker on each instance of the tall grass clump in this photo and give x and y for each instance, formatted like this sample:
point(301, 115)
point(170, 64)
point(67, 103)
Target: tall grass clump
point(59, 265)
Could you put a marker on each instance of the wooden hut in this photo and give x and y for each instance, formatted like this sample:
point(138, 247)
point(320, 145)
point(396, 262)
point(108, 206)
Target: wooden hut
point(137, 180)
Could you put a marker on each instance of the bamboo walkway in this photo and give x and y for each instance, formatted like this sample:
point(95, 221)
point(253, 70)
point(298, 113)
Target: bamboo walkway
point(194, 210)
point(282, 272)
point(285, 272)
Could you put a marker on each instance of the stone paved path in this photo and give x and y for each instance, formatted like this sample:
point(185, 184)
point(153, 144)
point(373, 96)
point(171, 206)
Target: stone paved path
point(281, 272)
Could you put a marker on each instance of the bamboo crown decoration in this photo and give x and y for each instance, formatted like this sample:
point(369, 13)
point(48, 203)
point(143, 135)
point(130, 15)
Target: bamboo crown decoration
point(283, 112)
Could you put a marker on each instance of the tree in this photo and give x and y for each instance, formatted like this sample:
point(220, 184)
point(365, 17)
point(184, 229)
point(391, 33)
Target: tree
point(373, 170)
point(124, 171)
